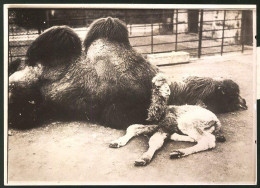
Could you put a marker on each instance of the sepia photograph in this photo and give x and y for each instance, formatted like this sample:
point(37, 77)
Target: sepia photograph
point(110, 94)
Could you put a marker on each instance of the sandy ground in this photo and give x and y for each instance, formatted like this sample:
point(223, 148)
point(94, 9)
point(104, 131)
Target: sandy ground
point(78, 152)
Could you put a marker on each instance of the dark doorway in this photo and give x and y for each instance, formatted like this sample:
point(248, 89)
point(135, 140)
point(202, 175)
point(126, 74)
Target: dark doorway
point(247, 27)
point(167, 20)
point(193, 20)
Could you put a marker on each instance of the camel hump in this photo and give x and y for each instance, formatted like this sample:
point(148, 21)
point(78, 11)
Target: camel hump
point(57, 45)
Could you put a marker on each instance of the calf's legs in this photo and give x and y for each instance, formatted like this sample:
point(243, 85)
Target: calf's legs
point(204, 140)
point(132, 131)
point(156, 142)
point(181, 138)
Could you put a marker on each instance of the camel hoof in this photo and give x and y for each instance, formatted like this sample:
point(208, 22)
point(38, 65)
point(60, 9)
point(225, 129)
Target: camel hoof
point(176, 154)
point(140, 162)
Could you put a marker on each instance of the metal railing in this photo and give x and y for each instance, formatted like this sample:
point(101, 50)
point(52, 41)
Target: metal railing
point(213, 36)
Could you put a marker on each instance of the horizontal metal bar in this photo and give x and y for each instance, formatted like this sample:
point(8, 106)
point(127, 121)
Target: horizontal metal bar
point(156, 52)
point(211, 46)
point(232, 51)
point(143, 25)
point(220, 45)
point(141, 45)
point(148, 25)
point(211, 53)
point(164, 43)
point(17, 56)
point(75, 18)
point(221, 20)
point(233, 45)
point(206, 31)
point(119, 16)
point(219, 53)
point(18, 46)
point(181, 23)
point(188, 41)
point(162, 51)
point(140, 36)
point(219, 38)
point(20, 34)
point(188, 49)
point(155, 24)
point(220, 29)
point(183, 33)
point(154, 44)
point(179, 42)
point(145, 36)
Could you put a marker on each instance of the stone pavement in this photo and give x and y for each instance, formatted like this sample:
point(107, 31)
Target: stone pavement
point(78, 152)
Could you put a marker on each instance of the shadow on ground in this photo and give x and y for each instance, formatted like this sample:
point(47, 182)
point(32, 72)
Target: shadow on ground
point(78, 152)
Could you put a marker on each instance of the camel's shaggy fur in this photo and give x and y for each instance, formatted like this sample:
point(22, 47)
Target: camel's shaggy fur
point(219, 96)
point(106, 81)
point(58, 45)
point(115, 31)
point(180, 123)
point(109, 82)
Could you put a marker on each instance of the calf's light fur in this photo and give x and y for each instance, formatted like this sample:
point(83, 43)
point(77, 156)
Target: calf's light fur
point(178, 123)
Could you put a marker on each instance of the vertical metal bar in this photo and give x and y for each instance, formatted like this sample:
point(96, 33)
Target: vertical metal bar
point(10, 53)
point(9, 48)
point(86, 18)
point(130, 23)
point(152, 35)
point(223, 33)
point(9, 57)
point(176, 31)
point(131, 28)
point(125, 17)
point(242, 31)
point(47, 19)
point(200, 33)
point(173, 21)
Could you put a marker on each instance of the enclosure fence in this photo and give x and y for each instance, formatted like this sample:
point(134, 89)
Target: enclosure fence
point(199, 32)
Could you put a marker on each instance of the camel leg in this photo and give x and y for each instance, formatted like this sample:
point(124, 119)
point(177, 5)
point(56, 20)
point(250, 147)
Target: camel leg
point(182, 138)
point(204, 140)
point(156, 142)
point(132, 131)
point(28, 76)
point(24, 79)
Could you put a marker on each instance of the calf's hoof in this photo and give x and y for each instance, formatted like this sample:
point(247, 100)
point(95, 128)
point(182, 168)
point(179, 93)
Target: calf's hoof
point(176, 154)
point(141, 162)
point(220, 138)
point(114, 145)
